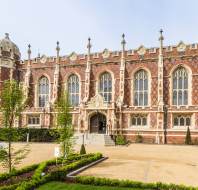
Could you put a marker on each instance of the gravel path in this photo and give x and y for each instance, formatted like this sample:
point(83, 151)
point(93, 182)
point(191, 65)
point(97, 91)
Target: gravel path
point(148, 163)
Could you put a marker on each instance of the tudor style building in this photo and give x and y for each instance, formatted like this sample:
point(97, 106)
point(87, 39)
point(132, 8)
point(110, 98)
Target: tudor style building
point(148, 91)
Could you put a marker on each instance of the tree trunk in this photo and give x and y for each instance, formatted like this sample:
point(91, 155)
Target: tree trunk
point(9, 157)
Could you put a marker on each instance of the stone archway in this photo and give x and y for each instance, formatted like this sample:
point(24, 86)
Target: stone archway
point(98, 123)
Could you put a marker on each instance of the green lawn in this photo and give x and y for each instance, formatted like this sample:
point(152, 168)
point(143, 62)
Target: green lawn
point(64, 186)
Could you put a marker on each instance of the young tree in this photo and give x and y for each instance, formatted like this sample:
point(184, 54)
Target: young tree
point(11, 106)
point(64, 123)
point(188, 137)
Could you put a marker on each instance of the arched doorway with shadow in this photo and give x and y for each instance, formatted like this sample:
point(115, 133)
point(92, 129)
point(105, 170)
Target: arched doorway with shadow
point(98, 123)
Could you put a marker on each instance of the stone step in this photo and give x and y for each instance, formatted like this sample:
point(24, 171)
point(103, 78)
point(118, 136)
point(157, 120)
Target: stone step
point(108, 141)
point(98, 139)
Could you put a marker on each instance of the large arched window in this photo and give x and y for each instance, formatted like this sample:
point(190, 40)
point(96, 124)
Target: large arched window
point(105, 86)
point(43, 91)
point(73, 90)
point(141, 88)
point(180, 86)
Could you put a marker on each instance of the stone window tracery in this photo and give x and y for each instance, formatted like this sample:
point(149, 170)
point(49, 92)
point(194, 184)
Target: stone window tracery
point(34, 120)
point(182, 120)
point(141, 88)
point(73, 90)
point(43, 92)
point(139, 120)
point(105, 87)
point(180, 87)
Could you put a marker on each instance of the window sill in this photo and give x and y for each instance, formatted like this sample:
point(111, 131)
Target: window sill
point(140, 107)
point(139, 127)
point(182, 127)
point(34, 126)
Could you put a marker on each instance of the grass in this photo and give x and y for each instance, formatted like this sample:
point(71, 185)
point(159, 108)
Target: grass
point(65, 186)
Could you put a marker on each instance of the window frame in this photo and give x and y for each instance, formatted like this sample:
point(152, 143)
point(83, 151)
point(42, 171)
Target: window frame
point(142, 116)
point(75, 93)
point(179, 116)
point(143, 91)
point(45, 95)
point(176, 76)
point(108, 93)
point(34, 116)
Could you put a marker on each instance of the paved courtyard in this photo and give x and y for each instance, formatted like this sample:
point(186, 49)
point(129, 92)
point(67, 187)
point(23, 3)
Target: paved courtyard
point(148, 163)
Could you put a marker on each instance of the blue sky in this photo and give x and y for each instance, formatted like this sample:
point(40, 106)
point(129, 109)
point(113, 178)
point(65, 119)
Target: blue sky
point(42, 22)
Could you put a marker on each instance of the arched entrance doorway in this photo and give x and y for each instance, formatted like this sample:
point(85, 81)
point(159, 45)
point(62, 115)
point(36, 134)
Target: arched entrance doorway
point(98, 123)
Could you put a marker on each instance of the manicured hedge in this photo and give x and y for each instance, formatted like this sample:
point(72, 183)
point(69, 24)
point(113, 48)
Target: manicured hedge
point(5, 176)
point(60, 174)
point(72, 162)
point(35, 134)
point(130, 184)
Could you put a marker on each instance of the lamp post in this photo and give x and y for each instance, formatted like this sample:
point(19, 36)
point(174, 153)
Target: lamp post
point(44, 116)
point(97, 119)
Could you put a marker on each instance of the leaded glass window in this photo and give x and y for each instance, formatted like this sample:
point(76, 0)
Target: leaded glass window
point(182, 120)
point(139, 120)
point(34, 120)
point(43, 92)
point(180, 87)
point(73, 90)
point(141, 88)
point(105, 86)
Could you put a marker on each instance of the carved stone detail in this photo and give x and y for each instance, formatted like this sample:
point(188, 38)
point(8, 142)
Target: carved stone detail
point(43, 59)
point(73, 56)
point(105, 53)
point(181, 46)
point(97, 102)
point(141, 50)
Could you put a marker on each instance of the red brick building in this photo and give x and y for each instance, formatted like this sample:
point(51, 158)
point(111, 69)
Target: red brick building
point(146, 91)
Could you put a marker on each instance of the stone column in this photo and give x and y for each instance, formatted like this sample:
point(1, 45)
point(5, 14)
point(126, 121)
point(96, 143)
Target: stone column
point(56, 76)
point(160, 113)
point(122, 80)
point(27, 74)
point(122, 71)
point(87, 73)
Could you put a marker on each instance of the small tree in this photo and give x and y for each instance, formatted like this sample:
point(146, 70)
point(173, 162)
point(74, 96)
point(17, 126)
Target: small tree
point(11, 106)
point(188, 137)
point(82, 149)
point(64, 122)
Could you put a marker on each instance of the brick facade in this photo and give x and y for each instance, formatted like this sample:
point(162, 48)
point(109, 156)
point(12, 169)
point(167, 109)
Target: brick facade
point(159, 127)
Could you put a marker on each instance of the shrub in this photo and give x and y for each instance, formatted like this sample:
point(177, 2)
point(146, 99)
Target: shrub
point(35, 134)
point(139, 138)
point(26, 169)
point(188, 140)
point(120, 140)
point(129, 184)
point(82, 149)
point(58, 175)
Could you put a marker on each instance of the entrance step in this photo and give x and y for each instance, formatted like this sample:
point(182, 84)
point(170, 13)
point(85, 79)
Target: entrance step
point(97, 139)
point(108, 141)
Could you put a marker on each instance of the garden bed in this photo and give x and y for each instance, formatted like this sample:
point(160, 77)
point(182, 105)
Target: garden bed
point(44, 172)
